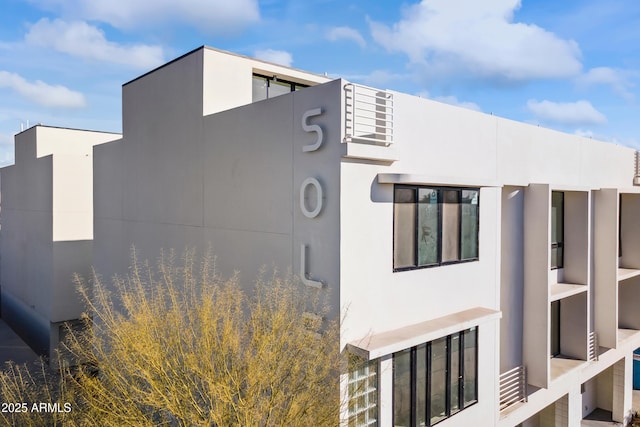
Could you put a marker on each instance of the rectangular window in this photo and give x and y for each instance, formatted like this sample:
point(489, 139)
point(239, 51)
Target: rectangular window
point(450, 226)
point(259, 88)
point(555, 329)
point(363, 393)
point(269, 87)
point(404, 224)
point(402, 388)
point(435, 380)
point(428, 233)
point(469, 224)
point(434, 226)
point(470, 366)
point(557, 229)
point(438, 376)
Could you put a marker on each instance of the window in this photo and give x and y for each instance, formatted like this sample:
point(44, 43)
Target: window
point(435, 380)
point(555, 329)
point(557, 229)
point(268, 87)
point(434, 226)
point(363, 393)
point(619, 225)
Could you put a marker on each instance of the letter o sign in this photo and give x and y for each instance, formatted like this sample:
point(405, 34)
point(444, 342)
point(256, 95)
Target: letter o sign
point(310, 182)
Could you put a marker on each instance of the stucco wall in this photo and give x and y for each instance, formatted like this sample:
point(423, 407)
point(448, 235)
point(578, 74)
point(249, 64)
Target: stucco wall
point(47, 227)
point(232, 181)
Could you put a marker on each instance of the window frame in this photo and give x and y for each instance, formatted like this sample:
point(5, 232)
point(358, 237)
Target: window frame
point(413, 362)
point(619, 225)
point(555, 337)
point(558, 244)
point(439, 241)
point(293, 86)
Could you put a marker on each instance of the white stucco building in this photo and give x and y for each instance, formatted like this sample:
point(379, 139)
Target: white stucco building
point(47, 230)
point(485, 269)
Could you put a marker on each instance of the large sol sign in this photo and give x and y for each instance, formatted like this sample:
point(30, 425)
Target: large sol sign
point(306, 187)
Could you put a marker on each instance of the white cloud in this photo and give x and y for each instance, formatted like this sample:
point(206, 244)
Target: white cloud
point(6, 149)
point(346, 33)
point(6, 139)
point(276, 56)
point(210, 16)
point(567, 113)
point(42, 93)
point(480, 39)
point(617, 79)
point(451, 100)
point(86, 41)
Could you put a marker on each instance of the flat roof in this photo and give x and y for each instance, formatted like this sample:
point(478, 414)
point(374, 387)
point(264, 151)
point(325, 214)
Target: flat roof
point(204, 47)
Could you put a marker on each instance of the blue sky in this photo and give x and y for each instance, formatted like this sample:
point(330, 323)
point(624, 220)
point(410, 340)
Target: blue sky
point(570, 65)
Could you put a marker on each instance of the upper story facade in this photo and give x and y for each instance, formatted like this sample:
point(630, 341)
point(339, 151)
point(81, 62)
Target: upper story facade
point(437, 233)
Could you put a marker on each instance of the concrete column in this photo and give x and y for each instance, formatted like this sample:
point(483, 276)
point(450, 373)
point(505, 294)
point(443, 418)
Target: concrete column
point(622, 389)
point(574, 407)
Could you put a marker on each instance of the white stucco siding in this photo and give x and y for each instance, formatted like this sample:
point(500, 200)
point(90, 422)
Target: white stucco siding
point(529, 154)
point(162, 144)
point(227, 79)
point(374, 298)
point(443, 140)
point(47, 227)
point(27, 230)
point(437, 139)
point(247, 166)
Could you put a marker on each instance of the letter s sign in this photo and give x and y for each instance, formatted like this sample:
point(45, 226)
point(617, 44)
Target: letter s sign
point(312, 128)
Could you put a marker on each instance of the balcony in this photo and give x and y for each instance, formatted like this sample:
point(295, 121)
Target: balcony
point(557, 235)
point(617, 265)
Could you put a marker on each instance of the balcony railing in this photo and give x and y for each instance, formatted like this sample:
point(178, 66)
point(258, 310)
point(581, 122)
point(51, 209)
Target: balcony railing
point(593, 346)
point(368, 115)
point(513, 387)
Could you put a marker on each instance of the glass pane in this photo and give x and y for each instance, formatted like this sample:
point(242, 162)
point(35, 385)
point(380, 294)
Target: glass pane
point(469, 225)
point(555, 328)
point(556, 256)
point(259, 88)
point(455, 374)
point(421, 385)
point(404, 227)
point(277, 88)
point(427, 226)
point(557, 228)
point(470, 366)
point(438, 392)
point(450, 225)
point(402, 388)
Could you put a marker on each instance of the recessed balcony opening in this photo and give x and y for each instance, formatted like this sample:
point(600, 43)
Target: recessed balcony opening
point(629, 236)
point(598, 397)
point(569, 249)
point(628, 312)
point(568, 337)
point(547, 416)
point(569, 244)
